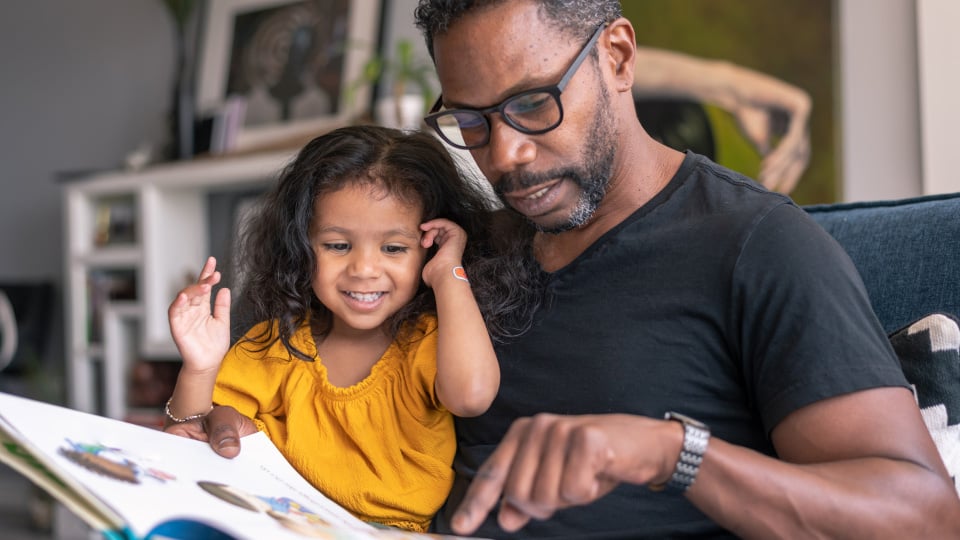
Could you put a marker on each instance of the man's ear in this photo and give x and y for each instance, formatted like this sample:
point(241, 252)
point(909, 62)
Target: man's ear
point(621, 45)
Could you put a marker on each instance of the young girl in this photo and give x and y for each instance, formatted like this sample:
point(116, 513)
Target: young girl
point(367, 333)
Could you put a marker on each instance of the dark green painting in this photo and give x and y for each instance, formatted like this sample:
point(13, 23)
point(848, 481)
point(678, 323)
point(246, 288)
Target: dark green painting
point(791, 41)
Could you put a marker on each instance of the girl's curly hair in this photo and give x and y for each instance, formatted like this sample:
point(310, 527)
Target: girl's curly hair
point(276, 261)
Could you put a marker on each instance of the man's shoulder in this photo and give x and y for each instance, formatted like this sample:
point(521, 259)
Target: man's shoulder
point(715, 180)
point(704, 190)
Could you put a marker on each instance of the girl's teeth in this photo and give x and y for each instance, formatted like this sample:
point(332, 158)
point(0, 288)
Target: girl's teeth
point(365, 297)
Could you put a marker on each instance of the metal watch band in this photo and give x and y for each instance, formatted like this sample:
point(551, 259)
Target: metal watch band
point(696, 438)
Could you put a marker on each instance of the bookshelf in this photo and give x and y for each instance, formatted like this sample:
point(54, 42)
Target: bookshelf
point(133, 240)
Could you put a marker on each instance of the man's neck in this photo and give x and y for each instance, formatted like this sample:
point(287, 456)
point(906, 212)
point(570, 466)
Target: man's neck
point(631, 189)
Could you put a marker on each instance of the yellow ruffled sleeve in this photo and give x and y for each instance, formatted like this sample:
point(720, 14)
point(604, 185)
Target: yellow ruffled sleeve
point(253, 381)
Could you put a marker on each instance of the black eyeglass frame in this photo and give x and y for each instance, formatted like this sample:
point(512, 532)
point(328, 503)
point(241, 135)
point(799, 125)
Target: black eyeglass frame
point(553, 90)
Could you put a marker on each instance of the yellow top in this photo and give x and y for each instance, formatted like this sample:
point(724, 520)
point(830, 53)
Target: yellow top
point(382, 448)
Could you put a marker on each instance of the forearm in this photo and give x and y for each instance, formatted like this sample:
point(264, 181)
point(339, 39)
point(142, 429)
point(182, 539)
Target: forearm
point(755, 496)
point(727, 85)
point(750, 88)
point(468, 375)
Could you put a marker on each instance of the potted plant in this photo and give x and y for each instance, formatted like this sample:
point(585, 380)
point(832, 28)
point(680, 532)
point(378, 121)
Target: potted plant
point(411, 85)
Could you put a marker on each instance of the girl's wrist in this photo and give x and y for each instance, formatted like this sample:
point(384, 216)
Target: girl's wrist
point(186, 370)
point(441, 271)
point(187, 418)
point(454, 274)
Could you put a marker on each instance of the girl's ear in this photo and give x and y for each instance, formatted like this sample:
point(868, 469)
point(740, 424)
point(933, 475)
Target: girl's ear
point(621, 46)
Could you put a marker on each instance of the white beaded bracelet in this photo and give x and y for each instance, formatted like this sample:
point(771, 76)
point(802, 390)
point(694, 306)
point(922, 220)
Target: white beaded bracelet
point(176, 420)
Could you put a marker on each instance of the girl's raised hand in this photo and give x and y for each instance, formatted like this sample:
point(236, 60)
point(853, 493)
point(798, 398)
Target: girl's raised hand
point(202, 335)
point(451, 240)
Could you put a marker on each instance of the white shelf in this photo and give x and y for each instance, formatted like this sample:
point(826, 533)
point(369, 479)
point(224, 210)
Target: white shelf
point(163, 242)
point(111, 257)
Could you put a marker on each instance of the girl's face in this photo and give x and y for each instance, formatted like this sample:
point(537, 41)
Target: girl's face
point(369, 257)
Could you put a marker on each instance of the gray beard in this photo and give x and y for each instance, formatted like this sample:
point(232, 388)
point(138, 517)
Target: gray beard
point(592, 191)
point(593, 177)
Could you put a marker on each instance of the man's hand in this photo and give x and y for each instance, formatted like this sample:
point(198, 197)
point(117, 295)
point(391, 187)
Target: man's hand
point(222, 428)
point(549, 462)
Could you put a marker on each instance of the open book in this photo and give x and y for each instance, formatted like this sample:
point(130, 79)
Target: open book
point(133, 482)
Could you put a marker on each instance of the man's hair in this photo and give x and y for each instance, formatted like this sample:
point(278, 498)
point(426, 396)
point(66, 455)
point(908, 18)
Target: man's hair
point(575, 17)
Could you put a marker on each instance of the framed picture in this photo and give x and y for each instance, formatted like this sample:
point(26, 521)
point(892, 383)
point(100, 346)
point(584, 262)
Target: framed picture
point(793, 42)
point(290, 63)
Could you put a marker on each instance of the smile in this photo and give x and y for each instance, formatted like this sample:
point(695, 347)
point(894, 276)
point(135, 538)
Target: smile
point(365, 297)
point(539, 193)
point(538, 201)
point(536, 193)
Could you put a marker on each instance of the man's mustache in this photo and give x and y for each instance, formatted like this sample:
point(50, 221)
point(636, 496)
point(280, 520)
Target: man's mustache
point(516, 181)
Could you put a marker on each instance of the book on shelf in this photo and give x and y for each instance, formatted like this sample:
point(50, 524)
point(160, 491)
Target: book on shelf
point(130, 482)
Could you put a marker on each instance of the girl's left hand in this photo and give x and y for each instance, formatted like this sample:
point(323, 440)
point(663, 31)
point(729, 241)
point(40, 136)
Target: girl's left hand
point(451, 240)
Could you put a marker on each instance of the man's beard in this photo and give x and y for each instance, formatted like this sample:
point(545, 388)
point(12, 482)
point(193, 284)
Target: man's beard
point(592, 176)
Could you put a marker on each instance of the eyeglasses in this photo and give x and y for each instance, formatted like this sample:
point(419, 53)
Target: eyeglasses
point(533, 111)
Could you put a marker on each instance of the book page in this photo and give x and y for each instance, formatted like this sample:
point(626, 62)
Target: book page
point(14, 455)
point(149, 477)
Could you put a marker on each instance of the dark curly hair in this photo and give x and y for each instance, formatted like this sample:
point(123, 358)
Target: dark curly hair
point(577, 18)
point(276, 262)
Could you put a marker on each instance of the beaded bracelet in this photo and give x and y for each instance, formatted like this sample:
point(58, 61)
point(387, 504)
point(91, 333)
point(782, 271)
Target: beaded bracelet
point(176, 420)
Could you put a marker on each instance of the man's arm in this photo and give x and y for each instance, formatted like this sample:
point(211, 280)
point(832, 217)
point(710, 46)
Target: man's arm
point(848, 470)
point(861, 465)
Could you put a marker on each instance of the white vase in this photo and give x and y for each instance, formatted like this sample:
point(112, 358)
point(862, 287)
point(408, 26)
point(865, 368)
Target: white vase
point(408, 114)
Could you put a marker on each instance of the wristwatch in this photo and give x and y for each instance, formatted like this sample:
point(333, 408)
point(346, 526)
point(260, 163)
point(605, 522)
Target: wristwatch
point(696, 437)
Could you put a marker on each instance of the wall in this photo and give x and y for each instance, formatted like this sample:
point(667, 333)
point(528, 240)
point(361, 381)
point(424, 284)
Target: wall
point(939, 75)
point(880, 124)
point(83, 84)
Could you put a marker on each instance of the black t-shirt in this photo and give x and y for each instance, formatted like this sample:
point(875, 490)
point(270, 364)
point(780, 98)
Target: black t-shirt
point(717, 299)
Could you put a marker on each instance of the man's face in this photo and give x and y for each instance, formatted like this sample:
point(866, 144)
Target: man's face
point(556, 179)
point(589, 174)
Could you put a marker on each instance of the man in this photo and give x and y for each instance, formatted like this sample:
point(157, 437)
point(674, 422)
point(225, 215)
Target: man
point(674, 286)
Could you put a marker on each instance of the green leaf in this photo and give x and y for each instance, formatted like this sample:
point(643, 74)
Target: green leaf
point(180, 10)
